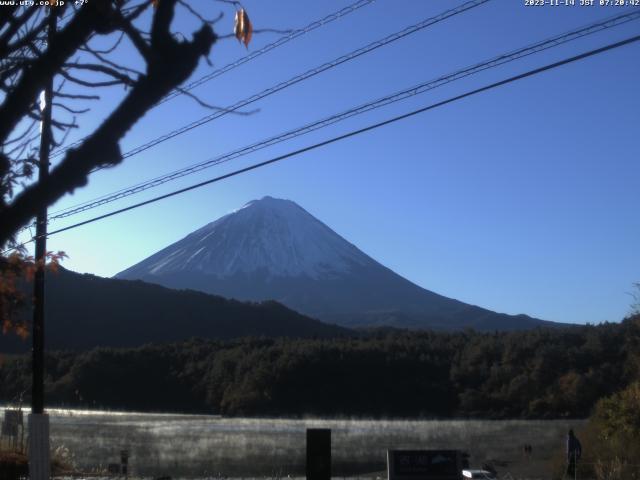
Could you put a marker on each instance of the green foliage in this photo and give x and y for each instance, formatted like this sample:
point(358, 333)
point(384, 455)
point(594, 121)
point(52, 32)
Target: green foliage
point(543, 373)
point(619, 415)
point(613, 437)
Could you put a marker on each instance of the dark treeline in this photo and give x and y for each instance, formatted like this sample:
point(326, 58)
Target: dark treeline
point(541, 373)
point(127, 313)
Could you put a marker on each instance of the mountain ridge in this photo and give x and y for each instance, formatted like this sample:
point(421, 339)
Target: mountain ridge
point(84, 311)
point(274, 249)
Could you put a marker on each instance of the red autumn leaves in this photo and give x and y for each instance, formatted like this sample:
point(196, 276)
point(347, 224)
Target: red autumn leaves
point(15, 270)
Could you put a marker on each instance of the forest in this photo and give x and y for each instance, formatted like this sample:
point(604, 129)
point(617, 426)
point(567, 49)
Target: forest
point(541, 373)
point(127, 313)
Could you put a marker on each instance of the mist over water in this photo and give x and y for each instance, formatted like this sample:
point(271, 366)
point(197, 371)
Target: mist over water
point(210, 446)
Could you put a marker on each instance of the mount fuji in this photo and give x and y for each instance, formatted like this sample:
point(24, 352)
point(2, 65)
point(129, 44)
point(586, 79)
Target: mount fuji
point(272, 249)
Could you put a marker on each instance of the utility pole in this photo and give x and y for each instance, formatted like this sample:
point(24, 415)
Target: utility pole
point(39, 448)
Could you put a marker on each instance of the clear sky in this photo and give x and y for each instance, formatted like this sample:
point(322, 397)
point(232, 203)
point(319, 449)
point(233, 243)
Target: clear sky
point(523, 199)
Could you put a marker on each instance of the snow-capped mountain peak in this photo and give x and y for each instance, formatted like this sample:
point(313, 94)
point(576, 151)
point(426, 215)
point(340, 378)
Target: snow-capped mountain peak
point(270, 235)
point(272, 249)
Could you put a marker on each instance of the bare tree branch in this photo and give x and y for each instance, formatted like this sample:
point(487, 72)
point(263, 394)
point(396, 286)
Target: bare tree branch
point(93, 67)
point(105, 51)
point(69, 109)
point(32, 81)
point(78, 96)
point(169, 63)
point(136, 38)
point(90, 84)
point(102, 58)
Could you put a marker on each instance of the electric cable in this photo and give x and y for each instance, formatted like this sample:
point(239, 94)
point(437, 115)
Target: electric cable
point(369, 106)
point(303, 76)
point(253, 55)
point(350, 134)
point(267, 48)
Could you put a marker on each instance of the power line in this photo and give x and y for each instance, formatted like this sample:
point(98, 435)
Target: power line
point(308, 74)
point(392, 98)
point(230, 66)
point(353, 133)
point(304, 76)
point(253, 55)
point(267, 48)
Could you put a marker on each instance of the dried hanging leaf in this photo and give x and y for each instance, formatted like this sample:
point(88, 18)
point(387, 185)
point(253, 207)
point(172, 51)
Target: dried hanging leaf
point(155, 3)
point(242, 29)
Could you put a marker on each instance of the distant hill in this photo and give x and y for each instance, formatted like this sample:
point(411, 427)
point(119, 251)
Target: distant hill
point(274, 249)
point(85, 311)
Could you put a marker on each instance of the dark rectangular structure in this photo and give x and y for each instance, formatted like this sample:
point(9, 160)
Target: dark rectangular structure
point(12, 420)
point(424, 464)
point(318, 454)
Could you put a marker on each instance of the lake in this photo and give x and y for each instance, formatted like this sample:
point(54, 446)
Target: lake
point(211, 446)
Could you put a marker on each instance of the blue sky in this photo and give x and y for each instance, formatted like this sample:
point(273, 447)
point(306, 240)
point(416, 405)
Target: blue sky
point(523, 199)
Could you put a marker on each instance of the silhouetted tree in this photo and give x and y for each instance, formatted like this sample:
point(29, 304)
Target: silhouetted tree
point(80, 67)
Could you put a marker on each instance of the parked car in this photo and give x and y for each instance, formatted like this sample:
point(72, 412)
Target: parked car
point(473, 474)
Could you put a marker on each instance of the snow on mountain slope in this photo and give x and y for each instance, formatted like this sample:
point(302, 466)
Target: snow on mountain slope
point(272, 249)
point(272, 235)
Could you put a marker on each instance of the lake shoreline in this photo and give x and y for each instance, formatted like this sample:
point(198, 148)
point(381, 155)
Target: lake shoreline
point(99, 411)
point(205, 446)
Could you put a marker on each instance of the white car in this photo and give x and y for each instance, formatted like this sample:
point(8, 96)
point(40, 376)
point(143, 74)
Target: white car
point(478, 474)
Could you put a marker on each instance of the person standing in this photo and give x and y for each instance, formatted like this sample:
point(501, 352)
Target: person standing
point(574, 452)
